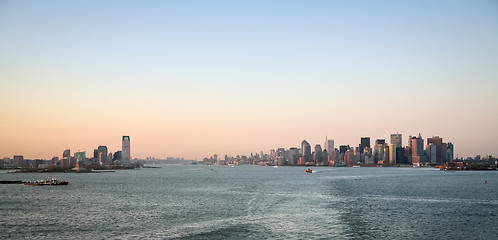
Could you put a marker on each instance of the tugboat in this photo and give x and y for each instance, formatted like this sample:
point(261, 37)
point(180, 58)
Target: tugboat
point(308, 170)
point(50, 182)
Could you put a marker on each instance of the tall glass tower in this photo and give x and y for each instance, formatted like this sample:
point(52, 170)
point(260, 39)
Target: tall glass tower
point(125, 160)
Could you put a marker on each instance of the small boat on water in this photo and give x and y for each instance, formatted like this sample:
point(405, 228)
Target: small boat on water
point(308, 170)
point(50, 182)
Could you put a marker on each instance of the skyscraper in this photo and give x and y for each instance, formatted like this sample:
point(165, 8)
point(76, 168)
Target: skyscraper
point(343, 148)
point(431, 153)
point(318, 158)
point(306, 148)
point(392, 153)
point(293, 156)
point(329, 145)
point(102, 155)
point(449, 153)
point(126, 157)
point(417, 144)
point(66, 154)
point(439, 148)
point(364, 143)
point(397, 139)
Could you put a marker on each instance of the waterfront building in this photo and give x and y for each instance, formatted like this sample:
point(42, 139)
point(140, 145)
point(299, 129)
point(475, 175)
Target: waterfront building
point(329, 145)
point(325, 158)
point(386, 154)
point(417, 144)
point(117, 156)
point(397, 139)
point(392, 153)
point(126, 157)
point(19, 161)
point(364, 143)
point(280, 161)
point(431, 153)
point(102, 155)
point(449, 153)
point(66, 153)
point(65, 162)
point(343, 149)
point(439, 148)
point(306, 151)
point(408, 154)
point(293, 156)
point(379, 150)
point(349, 157)
point(318, 158)
point(301, 161)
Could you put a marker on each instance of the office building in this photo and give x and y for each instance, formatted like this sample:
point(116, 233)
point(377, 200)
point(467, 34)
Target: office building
point(329, 145)
point(397, 139)
point(439, 149)
point(19, 161)
point(317, 157)
point(306, 151)
point(343, 149)
point(392, 153)
point(126, 157)
point(431, 153)
point(102, 155)
point(449, 153)
point(293, 156)
point(66, 153)
point(364, 143)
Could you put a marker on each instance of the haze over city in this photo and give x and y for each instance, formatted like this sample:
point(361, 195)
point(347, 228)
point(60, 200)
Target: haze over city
point(196, 78)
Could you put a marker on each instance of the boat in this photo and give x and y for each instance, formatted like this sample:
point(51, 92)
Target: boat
point(308, 171)
point(50, 182)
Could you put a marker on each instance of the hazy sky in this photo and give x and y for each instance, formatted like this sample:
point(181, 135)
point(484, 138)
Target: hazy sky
point(194, 78)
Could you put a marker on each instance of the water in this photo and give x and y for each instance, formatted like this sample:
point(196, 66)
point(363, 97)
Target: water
point(253, 202)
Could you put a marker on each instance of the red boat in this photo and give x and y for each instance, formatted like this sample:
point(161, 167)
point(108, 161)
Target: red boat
point(308, 171)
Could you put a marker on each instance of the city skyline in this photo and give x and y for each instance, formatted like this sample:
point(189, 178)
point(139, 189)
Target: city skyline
point(194, 78)
point(102, 154)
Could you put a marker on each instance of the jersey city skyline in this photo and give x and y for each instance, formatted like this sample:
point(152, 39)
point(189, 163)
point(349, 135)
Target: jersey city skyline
point(191, 79)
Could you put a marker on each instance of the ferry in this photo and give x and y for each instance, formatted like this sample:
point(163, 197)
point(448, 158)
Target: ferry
point(308, 170)
point(50, 182)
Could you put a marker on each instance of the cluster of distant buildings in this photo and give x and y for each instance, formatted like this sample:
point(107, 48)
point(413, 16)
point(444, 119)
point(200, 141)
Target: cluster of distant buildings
point(101, 157)
point(417, 152)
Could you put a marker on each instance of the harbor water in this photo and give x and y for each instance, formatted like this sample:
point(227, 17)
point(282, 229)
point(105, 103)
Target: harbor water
point(253, 202)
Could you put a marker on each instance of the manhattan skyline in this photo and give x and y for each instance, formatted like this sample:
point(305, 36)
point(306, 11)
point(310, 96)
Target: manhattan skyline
point(196, 78)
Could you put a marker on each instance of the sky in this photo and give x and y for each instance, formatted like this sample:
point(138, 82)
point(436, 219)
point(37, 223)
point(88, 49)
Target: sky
point(196, 78)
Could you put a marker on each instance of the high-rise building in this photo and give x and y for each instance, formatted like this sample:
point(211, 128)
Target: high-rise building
point(343, 149)
point(449, 153)
point(102, 155)
point(318, 158)
point(378, 151)
point(439, 148)
point(19, 161)
point(431, 153)
point(126, 157)
point(397, 139)
point(66, 154)
point(392, 153)
point(325, 158)
point(306, 151)
point(329, 145)
point(417, 148)
point(293, 156)
point(364, 143)
point(417, 144)
point(117, 156)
